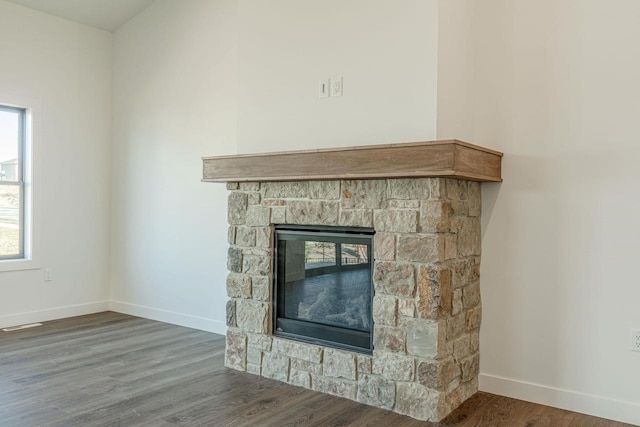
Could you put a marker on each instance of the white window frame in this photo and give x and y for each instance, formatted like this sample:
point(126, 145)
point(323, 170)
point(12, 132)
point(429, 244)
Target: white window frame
point(30, 178)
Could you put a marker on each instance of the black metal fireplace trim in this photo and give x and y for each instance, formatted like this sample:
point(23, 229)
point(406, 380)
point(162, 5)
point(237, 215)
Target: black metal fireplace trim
point(309, 332)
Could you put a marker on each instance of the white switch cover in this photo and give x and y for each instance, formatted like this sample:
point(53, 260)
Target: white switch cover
point(336, 86)
point(323, 88)
point(48, 275)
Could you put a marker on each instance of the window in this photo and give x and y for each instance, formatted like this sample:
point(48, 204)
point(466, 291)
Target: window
point(12, 183)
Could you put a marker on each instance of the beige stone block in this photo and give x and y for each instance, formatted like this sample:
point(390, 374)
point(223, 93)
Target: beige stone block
point(407, 307)
point(393, 366)
point(474, 317)
point(464, 272)
point(300, 378)
point(253, 369)
point(385, 310)
point(396, 221)
point(409, 189)
point(312, 212)
point(306, 366)
point(457, 189)
point(384, 246)
point(258, 216)
point(261, 287)
point(285, 190)
point(364, 364)
point(233, 185)
point(434, 294)
point(327, 190)
point(436, 374)
point(235, 355)
point(394, 278)
point(470, 367)
point(238, 286)
point(279, 215)
point(237, 208)
point(275, 366)
point(376, 391)
point(404, 204)
point(435, 216)
point(339, 364)
point(363, 194)
point(263, 237)
point(428, 248)
point(438, 188)
point(356, 217)
point(417, 401)
point(254, 356)
point(298, 350)
point(471, 295)
point(253, 199)
point(259, 341)
point(245, 236)
point(456, 325)
point(469, 242)
point(249, 186)
point(255, 264)
point(252, 316)
point(389, 338)
point(475, 199)
point(335, 386)
point(456, 306)
point(462, 347)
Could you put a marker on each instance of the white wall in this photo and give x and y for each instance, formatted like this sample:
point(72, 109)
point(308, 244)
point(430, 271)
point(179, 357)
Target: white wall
point(553, 84)
point(63, 71)
point(174, 101)
point(386, 52)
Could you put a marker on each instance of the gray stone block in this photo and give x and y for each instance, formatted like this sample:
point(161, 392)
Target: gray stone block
point(234, 260)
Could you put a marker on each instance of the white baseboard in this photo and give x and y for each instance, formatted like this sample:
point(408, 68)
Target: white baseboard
point(599, 406)
point(172, 317)
point(53, 313)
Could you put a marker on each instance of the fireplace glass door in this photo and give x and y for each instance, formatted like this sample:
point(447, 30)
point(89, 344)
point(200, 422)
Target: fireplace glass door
point(323, 286)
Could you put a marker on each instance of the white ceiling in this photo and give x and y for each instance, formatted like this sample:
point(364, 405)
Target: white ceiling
point(107, 15)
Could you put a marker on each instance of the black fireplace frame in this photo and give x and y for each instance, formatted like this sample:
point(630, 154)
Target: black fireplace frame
point(310, 332)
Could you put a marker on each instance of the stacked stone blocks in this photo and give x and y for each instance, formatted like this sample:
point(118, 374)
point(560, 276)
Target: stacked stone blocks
point(426, 307)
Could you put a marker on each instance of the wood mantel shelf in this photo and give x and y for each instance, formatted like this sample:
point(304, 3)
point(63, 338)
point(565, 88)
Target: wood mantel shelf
point(447, 158)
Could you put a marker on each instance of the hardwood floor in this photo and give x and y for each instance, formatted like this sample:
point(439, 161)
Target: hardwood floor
point(110, 369)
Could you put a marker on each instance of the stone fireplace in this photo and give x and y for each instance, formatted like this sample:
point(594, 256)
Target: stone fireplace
point(426, 304)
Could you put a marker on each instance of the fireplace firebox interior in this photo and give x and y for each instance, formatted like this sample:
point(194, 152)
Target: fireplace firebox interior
point(323, 286)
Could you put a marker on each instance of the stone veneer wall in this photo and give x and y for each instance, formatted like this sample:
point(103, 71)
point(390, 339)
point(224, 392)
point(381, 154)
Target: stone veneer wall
point(426, 306)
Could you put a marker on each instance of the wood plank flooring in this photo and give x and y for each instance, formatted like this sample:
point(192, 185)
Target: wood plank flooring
point(109, 369)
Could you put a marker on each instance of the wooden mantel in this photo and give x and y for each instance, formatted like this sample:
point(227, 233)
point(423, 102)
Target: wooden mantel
point(447, 158)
